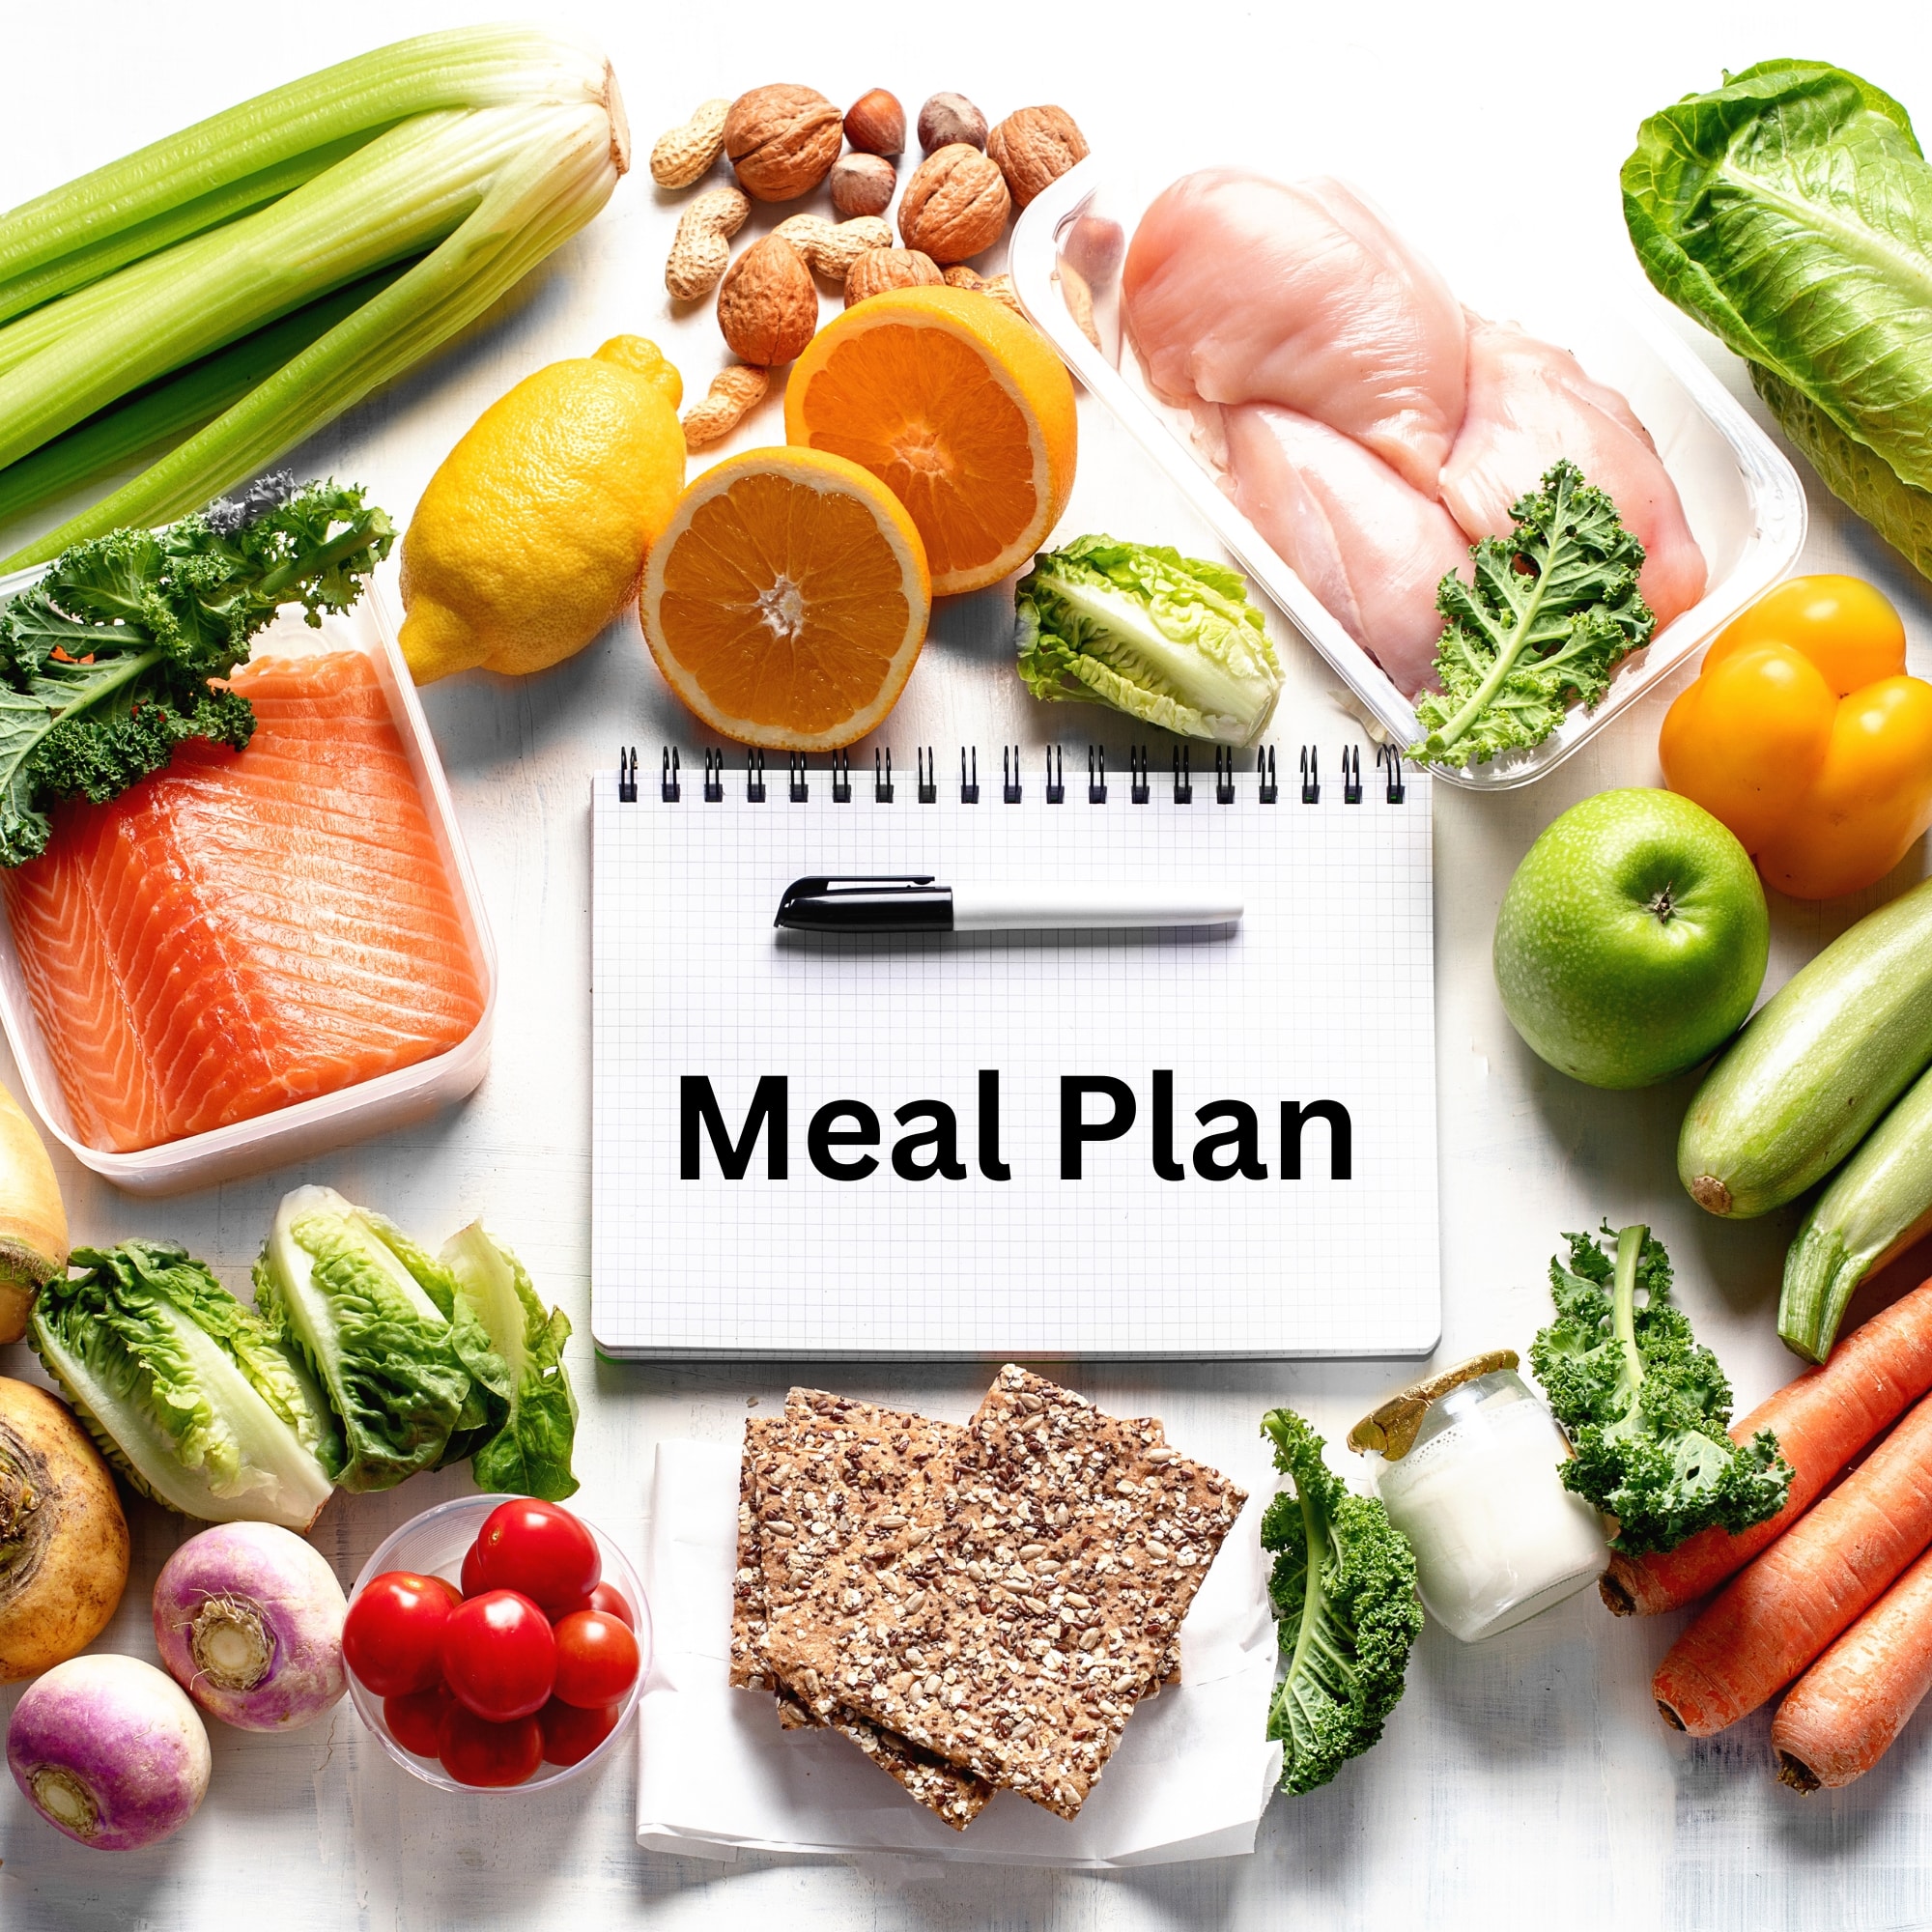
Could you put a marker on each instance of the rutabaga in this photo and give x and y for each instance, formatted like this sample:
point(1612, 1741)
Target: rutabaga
point(479, 150)
point(1170, 640)
point(187, 1392)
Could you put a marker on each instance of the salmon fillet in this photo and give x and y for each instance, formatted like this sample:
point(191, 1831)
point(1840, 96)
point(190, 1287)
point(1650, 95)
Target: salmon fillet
point(248, 930)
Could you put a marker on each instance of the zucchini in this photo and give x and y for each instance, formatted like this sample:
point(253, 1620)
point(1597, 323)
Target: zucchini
point(1878, 1204)
point(1817, 1065)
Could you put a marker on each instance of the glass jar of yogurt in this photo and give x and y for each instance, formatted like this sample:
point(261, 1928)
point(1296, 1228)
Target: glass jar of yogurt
point(1466, 1465)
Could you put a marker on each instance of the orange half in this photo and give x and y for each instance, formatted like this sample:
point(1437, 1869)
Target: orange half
point(961, 409)
point(786, 602)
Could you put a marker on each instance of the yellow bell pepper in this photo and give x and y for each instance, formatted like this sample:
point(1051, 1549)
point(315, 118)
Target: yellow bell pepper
point(1805, 735)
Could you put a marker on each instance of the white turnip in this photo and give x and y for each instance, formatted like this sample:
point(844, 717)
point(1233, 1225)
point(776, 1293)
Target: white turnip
point(108, 1750)
point(249, 1619)
point(63, 1538)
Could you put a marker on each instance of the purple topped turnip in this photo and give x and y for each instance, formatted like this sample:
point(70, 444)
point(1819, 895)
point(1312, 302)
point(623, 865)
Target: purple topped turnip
point(108, 1750)
point(249, 1619)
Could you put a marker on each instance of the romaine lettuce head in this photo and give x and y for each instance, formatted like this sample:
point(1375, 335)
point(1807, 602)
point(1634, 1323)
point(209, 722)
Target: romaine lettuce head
point(377, 1342)
point(528, 1454)
point(1790, 212)
point(1167, 639)
point(186, 1390)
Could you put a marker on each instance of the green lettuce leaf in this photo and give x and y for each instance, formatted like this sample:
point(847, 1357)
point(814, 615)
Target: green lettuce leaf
point(1170, 640)
point(186, 1390)
point(529, 1453)
point(379, 1345)
point(487, 1403)
point(1858, 476)
point(1790, 212)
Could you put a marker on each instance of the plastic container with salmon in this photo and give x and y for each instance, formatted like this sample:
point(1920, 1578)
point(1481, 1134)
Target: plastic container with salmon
point(1741, 497)
point(292, 1132)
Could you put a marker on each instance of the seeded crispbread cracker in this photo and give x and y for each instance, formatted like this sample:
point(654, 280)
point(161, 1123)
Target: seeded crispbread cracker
point(855, 1462)
point(1035, 1589)
point(747, 1581)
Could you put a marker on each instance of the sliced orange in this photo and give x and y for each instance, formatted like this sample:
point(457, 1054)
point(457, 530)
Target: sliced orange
point(787, 602)
point(960, 408)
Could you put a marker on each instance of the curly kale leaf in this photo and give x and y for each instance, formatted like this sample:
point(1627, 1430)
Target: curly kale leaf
point(1645, 1406)
point(108, 662)
point(1553, 610)
point(1343, 1591)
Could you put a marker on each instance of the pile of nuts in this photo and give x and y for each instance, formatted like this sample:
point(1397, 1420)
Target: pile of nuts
point(785, 142)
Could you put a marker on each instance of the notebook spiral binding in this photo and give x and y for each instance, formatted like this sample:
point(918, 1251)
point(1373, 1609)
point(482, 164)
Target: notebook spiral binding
point(1139, 787)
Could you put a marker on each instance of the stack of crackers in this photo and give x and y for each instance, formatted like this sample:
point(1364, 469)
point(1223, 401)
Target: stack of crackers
point(976, 1608)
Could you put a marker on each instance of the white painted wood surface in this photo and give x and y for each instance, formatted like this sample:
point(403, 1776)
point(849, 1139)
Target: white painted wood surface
point(1525, 1779)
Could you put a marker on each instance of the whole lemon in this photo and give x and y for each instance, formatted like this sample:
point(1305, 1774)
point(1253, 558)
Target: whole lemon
point(533, 534)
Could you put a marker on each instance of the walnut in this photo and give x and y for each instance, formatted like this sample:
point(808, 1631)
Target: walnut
point(1033, 148)
point(882, 269)
point(767, 303)
point(955, 206)
point(781, 140)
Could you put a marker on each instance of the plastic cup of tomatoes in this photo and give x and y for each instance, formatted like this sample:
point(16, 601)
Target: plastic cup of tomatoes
point(503, 1646)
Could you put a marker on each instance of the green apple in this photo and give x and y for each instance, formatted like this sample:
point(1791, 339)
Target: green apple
point(1632, 939)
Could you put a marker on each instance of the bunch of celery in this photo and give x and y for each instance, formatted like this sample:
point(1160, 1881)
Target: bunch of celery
point(243, 282)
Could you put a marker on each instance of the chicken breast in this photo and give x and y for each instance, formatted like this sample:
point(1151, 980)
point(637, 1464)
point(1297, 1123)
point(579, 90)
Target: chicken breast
point(1530, 403)
point(1238, 289)
point(1368, 546)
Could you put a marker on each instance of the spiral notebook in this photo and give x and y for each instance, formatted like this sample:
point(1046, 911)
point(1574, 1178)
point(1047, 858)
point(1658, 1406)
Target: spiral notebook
point(1218, 1142)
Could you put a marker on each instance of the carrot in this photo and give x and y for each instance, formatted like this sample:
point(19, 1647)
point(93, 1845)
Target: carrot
point(1778, 1614)
point(1821, 1420)
point(1844, 1712)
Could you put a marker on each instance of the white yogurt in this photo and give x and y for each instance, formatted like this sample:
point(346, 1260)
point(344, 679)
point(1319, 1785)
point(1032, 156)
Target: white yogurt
point(1497, 1538)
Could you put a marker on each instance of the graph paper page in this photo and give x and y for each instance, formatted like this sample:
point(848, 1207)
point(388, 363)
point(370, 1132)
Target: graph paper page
point(1324, 993)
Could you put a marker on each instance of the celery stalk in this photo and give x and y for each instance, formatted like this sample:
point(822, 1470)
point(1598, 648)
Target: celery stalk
point(463, 67)
point(541, 195)
point(485, 147)
point(89, 264)
point(399, 195)
point(157, 417)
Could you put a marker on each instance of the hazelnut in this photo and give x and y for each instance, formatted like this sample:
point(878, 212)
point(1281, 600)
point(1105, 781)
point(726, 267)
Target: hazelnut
point(1095, 247)
point(767, 303)
point(955, 206)
point(948, 118)
point(863, 184)
point(882, 269)
point(875, 124)
point(1033, 148)
point(781, 140)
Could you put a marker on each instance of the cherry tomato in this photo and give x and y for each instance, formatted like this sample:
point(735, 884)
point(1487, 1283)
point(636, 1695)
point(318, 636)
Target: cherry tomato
point(1844, 625)
point(608, 1597)
point(392, 1637)
point(498, 1656)
point(596, 1658)
point(473, 1585)
point(570, 1733)
point(539, 1549)
point(476, 1751)
point(415, 1718)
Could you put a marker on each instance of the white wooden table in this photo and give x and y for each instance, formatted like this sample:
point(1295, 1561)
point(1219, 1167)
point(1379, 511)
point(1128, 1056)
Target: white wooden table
point(1526, 1778)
